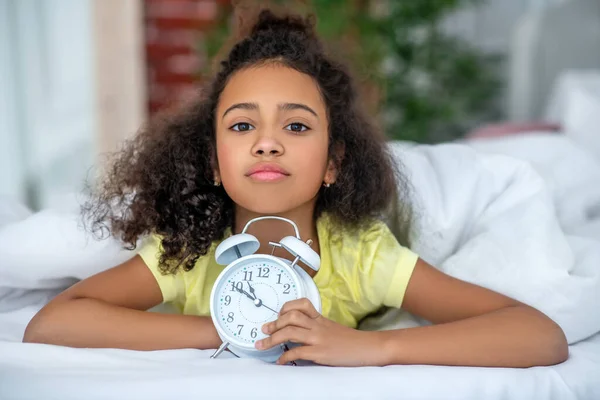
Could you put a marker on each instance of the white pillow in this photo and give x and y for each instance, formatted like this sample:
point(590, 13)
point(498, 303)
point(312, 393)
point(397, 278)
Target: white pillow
point(576, 105)
point(50, 249)
point(12, 210)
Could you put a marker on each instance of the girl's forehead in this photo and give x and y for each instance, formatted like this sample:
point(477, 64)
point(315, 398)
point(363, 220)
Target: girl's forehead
point(271, 83)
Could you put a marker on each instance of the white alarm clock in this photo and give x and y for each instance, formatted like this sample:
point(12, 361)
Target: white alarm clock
point(253, 287)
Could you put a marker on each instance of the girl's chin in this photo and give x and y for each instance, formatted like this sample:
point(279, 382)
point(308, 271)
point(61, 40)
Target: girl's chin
point(266, 208)
point(269, 200)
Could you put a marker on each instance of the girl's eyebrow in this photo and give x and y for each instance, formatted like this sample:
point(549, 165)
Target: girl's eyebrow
point(243, 106)
point(296, 106)
point(281, 106)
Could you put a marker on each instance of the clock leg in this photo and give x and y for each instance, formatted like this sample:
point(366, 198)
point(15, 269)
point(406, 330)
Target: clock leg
point(221, 349)
point(286, 348)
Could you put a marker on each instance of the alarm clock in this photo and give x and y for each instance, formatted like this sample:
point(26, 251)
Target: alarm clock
point(251, 290)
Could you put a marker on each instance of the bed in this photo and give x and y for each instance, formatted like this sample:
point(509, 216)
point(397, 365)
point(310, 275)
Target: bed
point(526, 224)
point(519, 214)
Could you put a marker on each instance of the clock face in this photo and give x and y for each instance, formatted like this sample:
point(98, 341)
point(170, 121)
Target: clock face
point(251, 293)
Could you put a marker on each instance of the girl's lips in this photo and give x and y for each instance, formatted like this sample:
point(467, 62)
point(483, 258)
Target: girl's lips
point(267, 176)
point(267, 172)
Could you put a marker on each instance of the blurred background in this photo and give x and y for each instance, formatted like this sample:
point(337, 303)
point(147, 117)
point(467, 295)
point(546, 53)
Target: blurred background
point(79, 76)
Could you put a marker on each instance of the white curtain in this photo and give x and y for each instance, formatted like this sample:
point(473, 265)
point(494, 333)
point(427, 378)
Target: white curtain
point(47, 120)
point(538, 4)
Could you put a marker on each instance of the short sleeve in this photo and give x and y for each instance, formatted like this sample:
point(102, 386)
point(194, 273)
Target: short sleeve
point(172, 286)
point(387, 267)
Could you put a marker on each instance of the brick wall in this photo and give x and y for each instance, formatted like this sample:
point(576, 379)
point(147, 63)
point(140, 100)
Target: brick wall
point(173, 35)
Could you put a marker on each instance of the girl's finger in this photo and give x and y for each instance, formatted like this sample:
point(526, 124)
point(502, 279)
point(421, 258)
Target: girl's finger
point(303, 305)
point(287, 334)
point(297, 353)
point(292, 318)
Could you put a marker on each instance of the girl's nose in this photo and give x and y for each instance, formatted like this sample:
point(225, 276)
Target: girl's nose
point(267, 145)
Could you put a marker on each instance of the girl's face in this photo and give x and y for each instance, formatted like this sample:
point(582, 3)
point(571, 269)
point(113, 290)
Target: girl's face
point(272, 139)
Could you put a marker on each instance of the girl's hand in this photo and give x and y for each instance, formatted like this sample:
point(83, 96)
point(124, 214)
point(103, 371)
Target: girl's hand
point(324, 341)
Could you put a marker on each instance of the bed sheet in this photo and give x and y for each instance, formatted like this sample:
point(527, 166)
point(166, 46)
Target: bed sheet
point(33, 371)
point(537, 217)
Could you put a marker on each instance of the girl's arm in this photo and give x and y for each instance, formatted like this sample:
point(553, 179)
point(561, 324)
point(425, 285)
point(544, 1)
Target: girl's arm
point(108, 310)
point(474, 326)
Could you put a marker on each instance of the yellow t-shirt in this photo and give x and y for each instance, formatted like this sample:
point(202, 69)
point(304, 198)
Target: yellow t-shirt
point(360, 272)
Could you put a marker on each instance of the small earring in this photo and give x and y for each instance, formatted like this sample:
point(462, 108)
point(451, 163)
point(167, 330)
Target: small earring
point(217, 183)
point(327, 185)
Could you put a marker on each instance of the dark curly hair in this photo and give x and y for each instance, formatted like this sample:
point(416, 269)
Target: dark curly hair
point(161, 181)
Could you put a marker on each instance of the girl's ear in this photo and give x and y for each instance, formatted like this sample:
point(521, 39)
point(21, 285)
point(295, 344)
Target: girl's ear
point(216, 178)
point(334, 164)
point(330, 173)
point(215, 167)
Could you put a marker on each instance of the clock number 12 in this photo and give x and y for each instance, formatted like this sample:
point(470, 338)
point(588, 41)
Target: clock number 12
point(263, 272)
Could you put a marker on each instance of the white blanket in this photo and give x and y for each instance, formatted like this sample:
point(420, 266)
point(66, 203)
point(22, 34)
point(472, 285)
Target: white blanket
point(487, 219)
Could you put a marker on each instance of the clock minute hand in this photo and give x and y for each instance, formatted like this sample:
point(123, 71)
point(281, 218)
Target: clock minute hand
point(244, 292)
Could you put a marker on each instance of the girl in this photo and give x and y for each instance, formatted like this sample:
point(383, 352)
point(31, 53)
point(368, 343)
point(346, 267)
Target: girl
point(279, 131)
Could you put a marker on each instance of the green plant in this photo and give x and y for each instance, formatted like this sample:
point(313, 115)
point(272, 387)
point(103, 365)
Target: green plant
point(423, 84)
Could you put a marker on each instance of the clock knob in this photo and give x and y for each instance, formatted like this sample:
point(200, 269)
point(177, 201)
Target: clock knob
point(298, 248)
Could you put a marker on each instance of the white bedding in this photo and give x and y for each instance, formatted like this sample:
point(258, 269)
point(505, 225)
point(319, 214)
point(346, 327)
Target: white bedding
point(488, 219)
point(48, 372)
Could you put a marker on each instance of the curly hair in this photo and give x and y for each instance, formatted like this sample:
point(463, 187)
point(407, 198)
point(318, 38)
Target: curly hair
point(161, 181)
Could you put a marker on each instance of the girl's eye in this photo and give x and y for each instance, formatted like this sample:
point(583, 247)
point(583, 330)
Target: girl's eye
point(242, 127)
point(297, 127)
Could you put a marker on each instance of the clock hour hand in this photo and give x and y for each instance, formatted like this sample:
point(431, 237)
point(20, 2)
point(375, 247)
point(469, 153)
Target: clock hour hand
point(251, 290)
point(258, 302)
